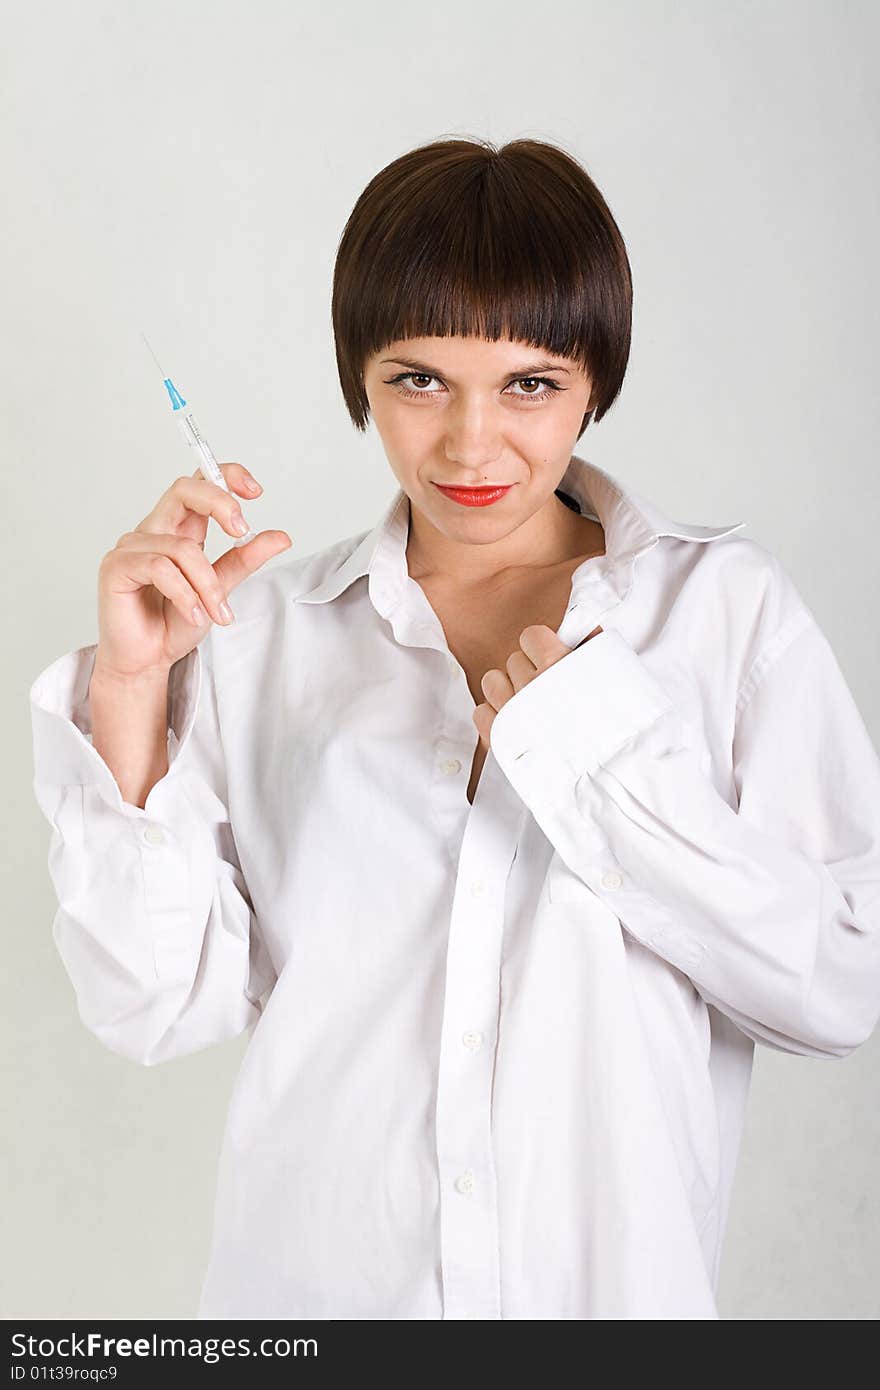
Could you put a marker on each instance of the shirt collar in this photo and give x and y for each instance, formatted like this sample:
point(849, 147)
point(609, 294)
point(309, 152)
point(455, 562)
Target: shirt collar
point(631, 524)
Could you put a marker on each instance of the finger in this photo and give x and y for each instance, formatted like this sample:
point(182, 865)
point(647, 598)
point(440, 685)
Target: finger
point(521, 669)
point(542, 645)
point(237, 478)
point(214, 582)
point(242, 560)
point(483, 716)
point(137, 569)
point(186, 506)
point(497, 688)
point(208, 499)
point(186, 555)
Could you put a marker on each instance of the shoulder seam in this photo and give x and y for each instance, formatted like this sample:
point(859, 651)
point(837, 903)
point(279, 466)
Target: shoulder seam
point(770, 654)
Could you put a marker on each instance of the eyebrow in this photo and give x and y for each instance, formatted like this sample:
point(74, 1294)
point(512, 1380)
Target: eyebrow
point(423, 369)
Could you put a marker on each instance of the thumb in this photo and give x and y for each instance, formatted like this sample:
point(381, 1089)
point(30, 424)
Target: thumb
point(243, 560)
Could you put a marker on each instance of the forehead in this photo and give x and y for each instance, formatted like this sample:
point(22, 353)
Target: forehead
point(462, 353)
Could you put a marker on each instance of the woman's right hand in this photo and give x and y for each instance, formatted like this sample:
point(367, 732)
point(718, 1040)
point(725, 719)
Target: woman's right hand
point(150, 582)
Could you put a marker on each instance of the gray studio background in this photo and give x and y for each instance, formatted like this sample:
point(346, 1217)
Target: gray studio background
point(186, 169)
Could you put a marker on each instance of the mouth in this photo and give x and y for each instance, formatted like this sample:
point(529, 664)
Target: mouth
point(482, 496)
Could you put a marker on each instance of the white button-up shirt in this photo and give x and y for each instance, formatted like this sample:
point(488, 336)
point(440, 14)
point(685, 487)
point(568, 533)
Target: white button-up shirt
point(500, 1053)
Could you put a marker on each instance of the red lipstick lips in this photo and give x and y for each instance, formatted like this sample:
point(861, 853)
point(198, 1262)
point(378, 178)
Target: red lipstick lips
point(474, 496)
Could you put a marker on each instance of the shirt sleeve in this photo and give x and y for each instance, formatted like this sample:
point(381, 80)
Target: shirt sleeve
point(155, 925)
point(771, 906)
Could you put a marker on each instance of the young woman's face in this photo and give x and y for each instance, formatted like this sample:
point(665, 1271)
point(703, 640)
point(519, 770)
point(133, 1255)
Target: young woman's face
point(467, 412)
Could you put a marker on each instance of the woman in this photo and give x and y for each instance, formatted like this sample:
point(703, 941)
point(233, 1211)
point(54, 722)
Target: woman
point(509, 825)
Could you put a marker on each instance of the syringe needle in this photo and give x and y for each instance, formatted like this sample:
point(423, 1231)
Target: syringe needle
point(208, 465)
point(152, 353)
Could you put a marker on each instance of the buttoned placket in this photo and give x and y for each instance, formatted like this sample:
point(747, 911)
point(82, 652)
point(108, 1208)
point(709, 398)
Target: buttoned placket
point(484, 837)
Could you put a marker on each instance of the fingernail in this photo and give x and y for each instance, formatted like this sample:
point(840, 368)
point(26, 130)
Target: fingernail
point(253, 485)
point(226, 613)
point(239, 525)
point(199, 616)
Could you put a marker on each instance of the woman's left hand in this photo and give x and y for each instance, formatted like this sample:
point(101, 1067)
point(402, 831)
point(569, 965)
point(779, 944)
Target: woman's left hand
point(539, 647)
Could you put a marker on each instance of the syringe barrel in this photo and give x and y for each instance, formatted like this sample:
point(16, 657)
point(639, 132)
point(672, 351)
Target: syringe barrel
point(209, 466)
point(207, 463)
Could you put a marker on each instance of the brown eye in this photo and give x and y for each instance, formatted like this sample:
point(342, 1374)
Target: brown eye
point(549, 388)
point(398, 383)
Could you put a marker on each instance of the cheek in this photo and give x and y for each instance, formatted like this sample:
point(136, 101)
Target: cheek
point(571, 412)
point(408, 431)
point(396, 437)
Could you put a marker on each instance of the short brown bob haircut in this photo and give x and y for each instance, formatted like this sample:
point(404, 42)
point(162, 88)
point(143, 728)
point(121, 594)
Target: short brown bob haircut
point(460, 237)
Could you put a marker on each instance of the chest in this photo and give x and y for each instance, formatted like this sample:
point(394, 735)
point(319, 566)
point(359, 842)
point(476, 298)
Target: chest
point(482, 627)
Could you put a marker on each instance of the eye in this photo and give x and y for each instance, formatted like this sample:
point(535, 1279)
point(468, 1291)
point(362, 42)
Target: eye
point(412, 376)
point(540, 380)
point(550, 387)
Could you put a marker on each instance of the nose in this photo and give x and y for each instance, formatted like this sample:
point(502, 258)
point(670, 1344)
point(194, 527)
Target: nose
point(472, 438)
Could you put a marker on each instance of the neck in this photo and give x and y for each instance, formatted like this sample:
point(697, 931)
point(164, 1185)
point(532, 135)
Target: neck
point(554, 535)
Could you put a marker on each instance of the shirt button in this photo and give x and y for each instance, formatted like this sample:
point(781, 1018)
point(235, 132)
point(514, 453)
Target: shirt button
point(612, 880)
point(154, 836)
point(465, 1182)
point(478, 888)
point(451, 765)
point(472, 1040)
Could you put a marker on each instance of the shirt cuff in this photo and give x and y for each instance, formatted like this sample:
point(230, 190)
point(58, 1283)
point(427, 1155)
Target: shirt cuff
point(64, 754)
point(579, 711)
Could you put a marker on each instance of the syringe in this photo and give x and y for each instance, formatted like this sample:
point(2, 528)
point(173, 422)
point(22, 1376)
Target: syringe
point(208, 465)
